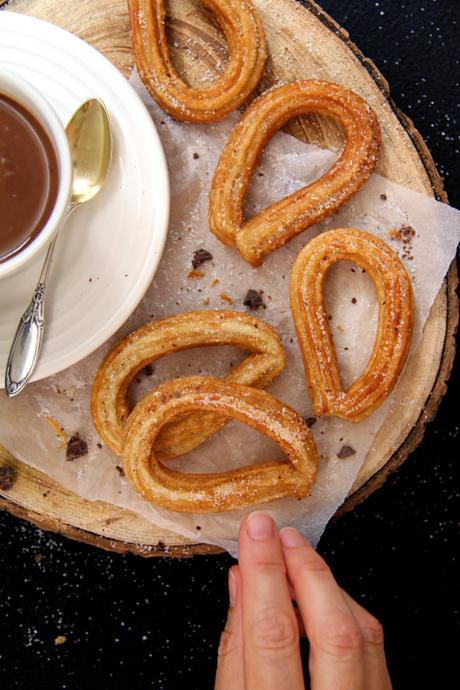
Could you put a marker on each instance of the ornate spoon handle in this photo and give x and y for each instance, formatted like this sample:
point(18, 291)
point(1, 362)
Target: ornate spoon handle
point(27, 341)
point(28, 338)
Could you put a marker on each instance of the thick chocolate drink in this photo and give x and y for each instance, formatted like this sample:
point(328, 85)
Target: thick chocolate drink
point(28, 177)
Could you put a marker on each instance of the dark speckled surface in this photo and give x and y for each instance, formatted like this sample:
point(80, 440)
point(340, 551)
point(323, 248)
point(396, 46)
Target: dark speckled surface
point(137, 623)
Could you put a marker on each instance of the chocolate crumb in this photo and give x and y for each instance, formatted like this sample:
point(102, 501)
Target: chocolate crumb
point(99, 445)
point(120, 470)
point(253, 299)
point(76, 448)
point(6, 478)
point(309, 421)
point(200, 256)
point(260, 174)
point(149, 369)
point(345, 452)
point(161, 545)
point(383, 197)
point(353, 300)
point(198, 527)
point(196, 155)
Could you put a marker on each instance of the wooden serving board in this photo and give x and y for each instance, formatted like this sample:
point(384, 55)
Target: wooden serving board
point(303, 43)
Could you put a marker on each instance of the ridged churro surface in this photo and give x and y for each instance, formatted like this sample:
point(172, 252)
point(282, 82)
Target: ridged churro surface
point(274, 226)
point(394, 330)
point(220, 491)
point(246, 43)
point(109, 404)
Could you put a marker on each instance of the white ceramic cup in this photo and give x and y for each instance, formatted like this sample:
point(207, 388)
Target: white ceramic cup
point(20, 90)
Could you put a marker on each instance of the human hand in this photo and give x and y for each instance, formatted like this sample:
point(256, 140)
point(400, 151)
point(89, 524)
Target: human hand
point(259, 648)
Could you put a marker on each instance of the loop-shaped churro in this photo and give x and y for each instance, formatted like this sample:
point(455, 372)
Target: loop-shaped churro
point(392, 342)
point(246, 42)
point(274, 226)
point(109, 406)
point(216, 492)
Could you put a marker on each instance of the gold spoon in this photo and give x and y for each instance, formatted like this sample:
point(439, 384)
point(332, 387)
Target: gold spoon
point(90, 143)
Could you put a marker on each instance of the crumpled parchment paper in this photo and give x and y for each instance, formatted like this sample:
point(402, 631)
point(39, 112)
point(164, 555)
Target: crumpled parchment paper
point(381, 207)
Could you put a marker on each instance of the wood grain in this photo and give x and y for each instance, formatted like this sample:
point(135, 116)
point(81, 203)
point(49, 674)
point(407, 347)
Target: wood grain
point(303, 43)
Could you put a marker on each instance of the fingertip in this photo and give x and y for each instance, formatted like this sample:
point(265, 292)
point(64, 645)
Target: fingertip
point(260, 526)
point(291, 538)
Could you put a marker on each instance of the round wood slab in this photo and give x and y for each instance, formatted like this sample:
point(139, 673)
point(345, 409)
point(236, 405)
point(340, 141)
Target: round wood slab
point(303, 43)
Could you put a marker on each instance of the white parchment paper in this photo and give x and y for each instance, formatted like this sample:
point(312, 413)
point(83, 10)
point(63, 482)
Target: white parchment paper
point(381, 207)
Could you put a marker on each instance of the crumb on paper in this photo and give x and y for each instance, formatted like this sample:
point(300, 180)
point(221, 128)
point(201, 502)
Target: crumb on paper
point(7, 477)
point(120, 470)
point(253, 299)
point(405, 235)
point(200, 256)
point(215, 282)
point(383, 197)
point(309, 421)
point(226, 298)
point(195, 274)
point(345, 452)
point(340, 328)
point(60, 639)
point(76, 448)
point(59, 431)
point(206, 301)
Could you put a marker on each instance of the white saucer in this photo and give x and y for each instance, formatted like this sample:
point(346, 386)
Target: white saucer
point(111, 247)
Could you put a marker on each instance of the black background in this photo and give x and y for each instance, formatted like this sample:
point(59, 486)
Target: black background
point(138, 623)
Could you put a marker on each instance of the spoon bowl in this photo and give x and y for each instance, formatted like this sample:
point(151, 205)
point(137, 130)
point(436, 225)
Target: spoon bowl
point(90, 142)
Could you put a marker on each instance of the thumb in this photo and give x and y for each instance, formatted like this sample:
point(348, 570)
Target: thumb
point(230, 671)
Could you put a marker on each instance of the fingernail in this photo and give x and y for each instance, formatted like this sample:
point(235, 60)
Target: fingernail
point(260, 526)
point(232, 588)
point(291, 538)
